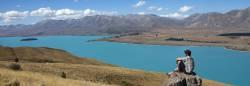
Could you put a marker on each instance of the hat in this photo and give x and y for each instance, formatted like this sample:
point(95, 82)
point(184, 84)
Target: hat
point(187, 52)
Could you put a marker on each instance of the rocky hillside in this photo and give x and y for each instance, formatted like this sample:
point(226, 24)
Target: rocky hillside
point(64, 69)
point(102, 24)
point(232, 19)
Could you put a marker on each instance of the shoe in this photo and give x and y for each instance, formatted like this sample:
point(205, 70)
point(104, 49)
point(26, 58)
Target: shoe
point(169, 74)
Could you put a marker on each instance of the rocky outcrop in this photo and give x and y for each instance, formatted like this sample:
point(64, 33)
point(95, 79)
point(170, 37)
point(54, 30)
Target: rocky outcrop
point(182, 79)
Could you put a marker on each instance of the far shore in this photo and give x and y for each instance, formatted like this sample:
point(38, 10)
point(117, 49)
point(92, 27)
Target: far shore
point(232, 43)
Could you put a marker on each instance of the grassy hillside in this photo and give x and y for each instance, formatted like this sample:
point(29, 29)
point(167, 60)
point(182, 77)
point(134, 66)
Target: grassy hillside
point(42, 55)
point(35, 70)
point(26, 78)
point(94, 73)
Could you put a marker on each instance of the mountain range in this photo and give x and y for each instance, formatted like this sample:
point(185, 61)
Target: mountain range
point(119, 24)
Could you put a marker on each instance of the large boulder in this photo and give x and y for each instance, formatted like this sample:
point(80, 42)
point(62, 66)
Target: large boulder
point(182, 79)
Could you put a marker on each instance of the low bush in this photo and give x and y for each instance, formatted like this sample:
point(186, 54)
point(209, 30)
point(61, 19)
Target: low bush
point(15, 66)
point(16, 59)
point(63, 75)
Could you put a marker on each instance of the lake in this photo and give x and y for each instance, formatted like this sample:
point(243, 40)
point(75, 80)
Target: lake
point(215, 63)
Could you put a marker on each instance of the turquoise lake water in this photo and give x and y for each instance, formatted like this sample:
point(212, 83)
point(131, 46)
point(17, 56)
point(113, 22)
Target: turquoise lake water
point(215, 63)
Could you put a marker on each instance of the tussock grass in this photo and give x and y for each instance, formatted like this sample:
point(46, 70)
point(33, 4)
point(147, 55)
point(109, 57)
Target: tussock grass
point(26, 78)
point(102, 74)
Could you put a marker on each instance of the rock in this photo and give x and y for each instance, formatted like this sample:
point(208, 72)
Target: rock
point(182, 79)
point(193, 80)
point(177, 81)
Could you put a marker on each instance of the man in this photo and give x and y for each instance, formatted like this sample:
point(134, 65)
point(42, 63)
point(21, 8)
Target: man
point(185, 64)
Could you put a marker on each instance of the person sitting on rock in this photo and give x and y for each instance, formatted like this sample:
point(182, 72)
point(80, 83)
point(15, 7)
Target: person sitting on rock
point(185, 64)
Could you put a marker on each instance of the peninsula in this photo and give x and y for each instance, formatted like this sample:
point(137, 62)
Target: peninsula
point(187, 38)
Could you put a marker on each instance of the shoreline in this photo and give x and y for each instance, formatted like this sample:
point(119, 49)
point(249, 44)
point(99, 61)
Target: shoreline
point(227, 47)
point(241, 48)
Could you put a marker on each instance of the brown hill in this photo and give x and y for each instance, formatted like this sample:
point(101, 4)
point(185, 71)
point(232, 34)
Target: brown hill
point(42, 54)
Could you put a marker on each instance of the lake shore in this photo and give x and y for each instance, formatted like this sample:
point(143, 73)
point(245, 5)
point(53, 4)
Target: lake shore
point(229, 42)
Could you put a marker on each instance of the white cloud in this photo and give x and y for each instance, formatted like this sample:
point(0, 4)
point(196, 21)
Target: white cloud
point(154, 8)
point(62, 14)
point(46, 12)
point(140, 3)
point(89, 12)
point(185, 8)
point(180, 14)
point(141, 13)
point(13, 15)
point(175, 15)
point(159, 9)
point(73, 14)
point(65, 12)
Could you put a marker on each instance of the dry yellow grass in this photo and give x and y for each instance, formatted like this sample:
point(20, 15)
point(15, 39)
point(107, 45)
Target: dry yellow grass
point(43, 55)
point(27, 78)
point(101, 74)
point(95, 73)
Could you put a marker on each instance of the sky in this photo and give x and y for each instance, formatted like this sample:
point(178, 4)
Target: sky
point(32, 11)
